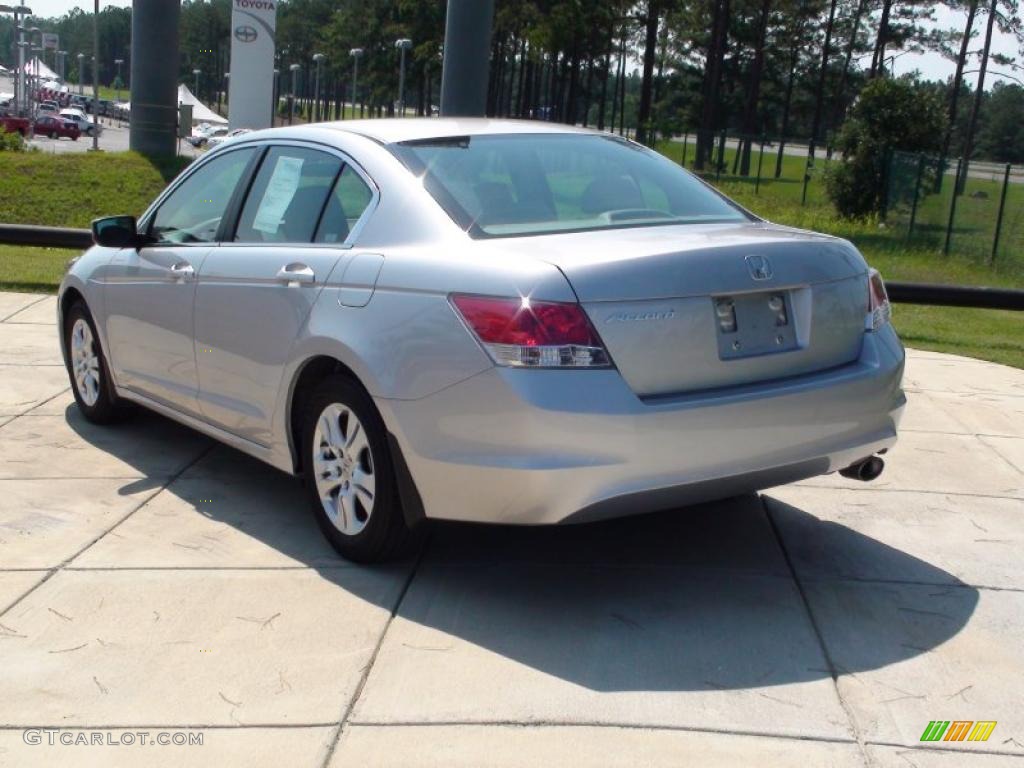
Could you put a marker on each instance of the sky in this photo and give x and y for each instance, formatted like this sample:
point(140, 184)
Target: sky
point(932, 65)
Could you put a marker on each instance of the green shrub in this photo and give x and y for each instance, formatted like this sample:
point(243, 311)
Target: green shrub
point(11, 142)
point(889, 115)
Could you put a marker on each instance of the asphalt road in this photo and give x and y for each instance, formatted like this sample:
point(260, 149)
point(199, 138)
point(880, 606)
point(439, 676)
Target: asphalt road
point(153, 581)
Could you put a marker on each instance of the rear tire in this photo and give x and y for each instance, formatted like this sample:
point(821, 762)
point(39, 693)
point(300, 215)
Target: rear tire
point(87, 367)
point(350, 477)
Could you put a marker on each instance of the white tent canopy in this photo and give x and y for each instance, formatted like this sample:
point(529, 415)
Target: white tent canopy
point(37, 68)
point(200, 112)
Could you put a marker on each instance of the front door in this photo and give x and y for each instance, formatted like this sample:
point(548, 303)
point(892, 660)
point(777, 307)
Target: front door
point(150, 291)
point(255, 293)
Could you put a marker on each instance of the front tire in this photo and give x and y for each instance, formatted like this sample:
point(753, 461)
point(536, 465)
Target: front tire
point(350, 477)
point(87, 367)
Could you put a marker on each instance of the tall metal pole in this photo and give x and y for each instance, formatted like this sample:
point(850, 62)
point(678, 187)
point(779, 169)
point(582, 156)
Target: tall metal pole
point(81, 73)
point(295, 79)
point(467, 50)
point(319, 59)
point(195, 82)
point(96, 75)
point(154, 76)
point(355, 53)
point(402, 44)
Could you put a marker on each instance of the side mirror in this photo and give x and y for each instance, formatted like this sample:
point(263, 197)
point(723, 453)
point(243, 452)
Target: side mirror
point(115, 232)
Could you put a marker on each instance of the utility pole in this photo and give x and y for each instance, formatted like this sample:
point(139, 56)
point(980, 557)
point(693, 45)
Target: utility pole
point(403, 44)
point(319, 59)
point(467, 50)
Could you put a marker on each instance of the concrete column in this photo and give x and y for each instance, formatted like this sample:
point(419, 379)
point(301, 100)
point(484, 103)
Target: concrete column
point(467, 53)
point(154, 76)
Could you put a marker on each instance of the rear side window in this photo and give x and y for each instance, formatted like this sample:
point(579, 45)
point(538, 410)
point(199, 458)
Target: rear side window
point(193, 211)
point(287, 196)
point(349, 199)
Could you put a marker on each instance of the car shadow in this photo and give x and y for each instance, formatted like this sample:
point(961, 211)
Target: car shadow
point(711, 597)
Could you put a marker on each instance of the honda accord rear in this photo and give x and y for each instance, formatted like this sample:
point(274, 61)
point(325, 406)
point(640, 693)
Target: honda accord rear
point(696, 351)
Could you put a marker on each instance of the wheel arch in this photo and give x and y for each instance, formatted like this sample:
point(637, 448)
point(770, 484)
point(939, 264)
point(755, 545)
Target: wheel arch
point(310, 373)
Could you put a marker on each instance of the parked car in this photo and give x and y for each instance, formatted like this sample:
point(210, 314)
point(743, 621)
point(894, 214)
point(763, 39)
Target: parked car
point(483, 320)
point(219, 138)
point(54, 126)
point(49, 106)
point(203, 133)
point(84, 124)
point(13, 124)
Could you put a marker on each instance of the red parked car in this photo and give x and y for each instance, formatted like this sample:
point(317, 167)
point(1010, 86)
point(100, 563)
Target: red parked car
point(55, 127)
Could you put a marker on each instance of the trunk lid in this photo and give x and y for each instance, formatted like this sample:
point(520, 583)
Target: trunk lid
point(690, 308)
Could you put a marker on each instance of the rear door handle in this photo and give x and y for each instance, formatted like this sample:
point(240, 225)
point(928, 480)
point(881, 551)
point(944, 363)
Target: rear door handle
point(296, 274)
point(182, 271)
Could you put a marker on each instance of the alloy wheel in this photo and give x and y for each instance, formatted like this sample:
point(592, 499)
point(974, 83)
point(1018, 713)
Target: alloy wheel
point(85, 362)
point(343, 469)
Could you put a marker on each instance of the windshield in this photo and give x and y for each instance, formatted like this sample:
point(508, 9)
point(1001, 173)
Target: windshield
point(521, 184)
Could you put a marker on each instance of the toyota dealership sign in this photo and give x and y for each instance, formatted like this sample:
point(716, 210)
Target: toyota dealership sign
point(250, 90)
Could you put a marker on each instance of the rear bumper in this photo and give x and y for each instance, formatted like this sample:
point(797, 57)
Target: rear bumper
point(537, 447)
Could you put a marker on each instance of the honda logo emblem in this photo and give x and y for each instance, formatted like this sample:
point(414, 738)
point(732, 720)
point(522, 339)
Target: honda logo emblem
point(759, 266)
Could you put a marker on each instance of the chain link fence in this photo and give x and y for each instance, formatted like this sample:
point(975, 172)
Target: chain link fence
point(785, 168)
point(971, 208)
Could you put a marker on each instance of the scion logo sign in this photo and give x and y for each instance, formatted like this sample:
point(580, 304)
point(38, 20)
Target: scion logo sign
point(245, 33)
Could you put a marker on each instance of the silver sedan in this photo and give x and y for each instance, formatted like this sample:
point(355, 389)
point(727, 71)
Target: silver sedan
point(483, 320)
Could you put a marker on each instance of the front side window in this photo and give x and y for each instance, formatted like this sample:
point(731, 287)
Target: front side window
point(519, 184)
point(287, 197)
point(193, 211)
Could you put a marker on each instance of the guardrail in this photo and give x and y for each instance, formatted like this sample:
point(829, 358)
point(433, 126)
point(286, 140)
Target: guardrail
point(899, 292)
point(47, 237)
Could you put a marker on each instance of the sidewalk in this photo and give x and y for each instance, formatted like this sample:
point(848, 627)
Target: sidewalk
point(151, 580)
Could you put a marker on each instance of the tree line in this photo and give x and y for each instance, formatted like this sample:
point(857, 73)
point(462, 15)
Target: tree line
point(781, 69)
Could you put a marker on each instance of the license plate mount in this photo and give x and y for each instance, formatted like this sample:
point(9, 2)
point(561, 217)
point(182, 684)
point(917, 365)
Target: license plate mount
point(752, 324)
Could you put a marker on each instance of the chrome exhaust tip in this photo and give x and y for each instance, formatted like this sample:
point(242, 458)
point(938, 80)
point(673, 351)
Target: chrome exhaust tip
point(865, 470)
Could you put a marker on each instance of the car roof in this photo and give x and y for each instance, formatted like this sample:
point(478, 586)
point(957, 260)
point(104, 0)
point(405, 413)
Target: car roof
point(394, 130)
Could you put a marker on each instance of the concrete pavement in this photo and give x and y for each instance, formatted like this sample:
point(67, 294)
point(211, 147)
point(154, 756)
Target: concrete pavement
point(152, 581)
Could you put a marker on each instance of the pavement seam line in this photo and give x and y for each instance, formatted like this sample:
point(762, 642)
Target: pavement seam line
point(350, 708)
point(997, 452)
point(40, 300)
point(875, 488)
point(861, 744)
point(37, 405)
point(61, 566)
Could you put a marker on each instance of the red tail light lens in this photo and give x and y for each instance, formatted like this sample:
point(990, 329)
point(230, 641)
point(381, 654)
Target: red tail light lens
point(544, 334)
point(879, 308)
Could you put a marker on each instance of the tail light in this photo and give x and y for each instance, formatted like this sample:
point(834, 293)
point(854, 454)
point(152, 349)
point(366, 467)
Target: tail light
point(879, 309)
point(532, 334)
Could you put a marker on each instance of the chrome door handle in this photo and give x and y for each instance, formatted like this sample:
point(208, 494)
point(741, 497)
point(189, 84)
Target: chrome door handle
point(182, 271)
point(296, 274)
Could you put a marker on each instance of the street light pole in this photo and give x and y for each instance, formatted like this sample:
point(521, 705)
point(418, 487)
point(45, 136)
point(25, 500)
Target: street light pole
point(81, 73)
point(295, 79)
point(403, 44)
point(319, 59)
point(355, 53)
point(119, 62)
point(195, 82)
point(96, 75)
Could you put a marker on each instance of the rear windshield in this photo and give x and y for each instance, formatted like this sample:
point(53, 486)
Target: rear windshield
point(523, 184)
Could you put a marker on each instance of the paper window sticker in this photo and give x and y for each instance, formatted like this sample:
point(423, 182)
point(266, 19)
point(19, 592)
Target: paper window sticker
point(281, 188)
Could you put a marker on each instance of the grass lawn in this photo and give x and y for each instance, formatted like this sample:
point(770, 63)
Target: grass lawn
point(71, 190)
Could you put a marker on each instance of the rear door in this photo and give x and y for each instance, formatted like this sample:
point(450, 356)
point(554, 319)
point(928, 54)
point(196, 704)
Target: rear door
point(256, 291)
